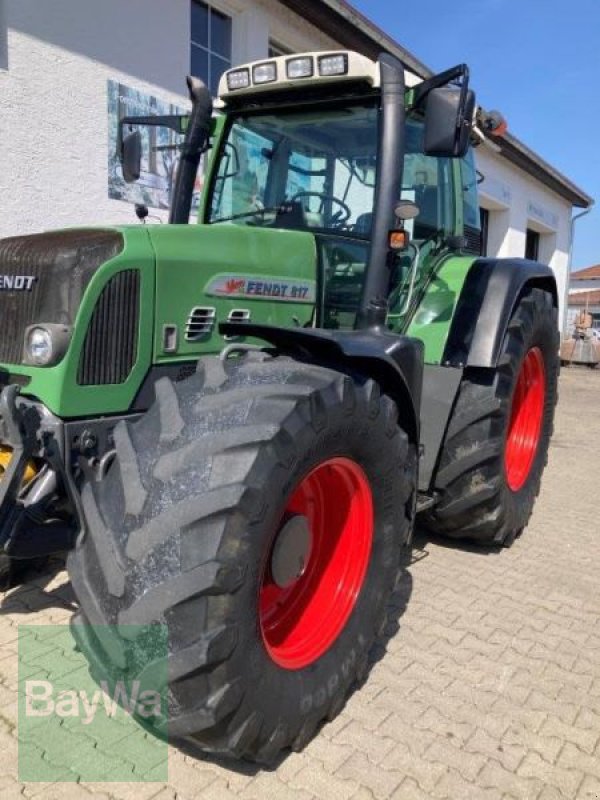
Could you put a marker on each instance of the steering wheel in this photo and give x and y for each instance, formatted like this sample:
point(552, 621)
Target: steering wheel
point(339, 218)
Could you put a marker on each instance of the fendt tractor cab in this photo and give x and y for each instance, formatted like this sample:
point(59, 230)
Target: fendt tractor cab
point(232, 425)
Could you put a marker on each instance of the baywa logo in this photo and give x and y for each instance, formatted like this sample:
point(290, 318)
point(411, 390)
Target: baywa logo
point(42, 699)
point(75, 727)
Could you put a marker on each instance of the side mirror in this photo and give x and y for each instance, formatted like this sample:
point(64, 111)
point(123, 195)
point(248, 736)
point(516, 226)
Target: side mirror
point(131, 156)
point(448, 122)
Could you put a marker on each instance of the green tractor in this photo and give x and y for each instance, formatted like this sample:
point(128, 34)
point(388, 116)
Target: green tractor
point(233, 426)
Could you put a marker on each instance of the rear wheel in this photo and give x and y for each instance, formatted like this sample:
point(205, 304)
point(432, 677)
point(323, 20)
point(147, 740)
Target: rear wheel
point(260, 512)
point(497, 442)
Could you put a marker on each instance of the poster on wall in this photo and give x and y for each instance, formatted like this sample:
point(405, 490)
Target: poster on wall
point(160, 153)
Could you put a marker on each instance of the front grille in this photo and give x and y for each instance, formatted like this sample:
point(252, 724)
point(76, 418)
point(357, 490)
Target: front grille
point(473, 240)
point(111, 343)
point(54, 270)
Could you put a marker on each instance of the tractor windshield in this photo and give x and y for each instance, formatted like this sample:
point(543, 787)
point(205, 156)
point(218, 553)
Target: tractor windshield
point(315, 170)
point(307, 170)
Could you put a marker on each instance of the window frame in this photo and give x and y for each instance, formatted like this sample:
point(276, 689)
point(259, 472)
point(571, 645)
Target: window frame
point(212, 8)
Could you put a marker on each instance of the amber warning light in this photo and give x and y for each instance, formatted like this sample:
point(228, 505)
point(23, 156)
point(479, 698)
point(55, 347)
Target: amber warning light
point(399, 240)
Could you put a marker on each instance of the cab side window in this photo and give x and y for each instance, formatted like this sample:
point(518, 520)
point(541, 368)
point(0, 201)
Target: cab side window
point(428, 183)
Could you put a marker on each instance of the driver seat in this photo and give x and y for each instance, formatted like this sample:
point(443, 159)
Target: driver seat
point(363, 224)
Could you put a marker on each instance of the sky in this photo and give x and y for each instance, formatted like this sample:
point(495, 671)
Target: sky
point(536, 61)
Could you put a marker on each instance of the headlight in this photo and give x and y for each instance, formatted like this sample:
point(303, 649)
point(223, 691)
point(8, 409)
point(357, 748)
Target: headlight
point(238, 79)
point(336, 64)
point(264, 73)
point(45, 344)
point(300, 67)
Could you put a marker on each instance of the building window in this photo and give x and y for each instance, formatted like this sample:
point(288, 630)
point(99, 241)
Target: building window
point(276, 49)
point(211, 44)
point(532, 245)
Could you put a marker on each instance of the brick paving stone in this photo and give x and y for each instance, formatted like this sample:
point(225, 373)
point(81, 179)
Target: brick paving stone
point(565, 780)
point(453, 786)
point(590, 788)
point(509, 755)
point(409, 789)
point(494, 776)
point(322, 784)
point(380, 781)
point(125, 791)
point(375, 747)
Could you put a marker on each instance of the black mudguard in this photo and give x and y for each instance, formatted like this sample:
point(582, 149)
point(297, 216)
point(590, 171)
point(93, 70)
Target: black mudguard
point(395, 362)
point(487, 301)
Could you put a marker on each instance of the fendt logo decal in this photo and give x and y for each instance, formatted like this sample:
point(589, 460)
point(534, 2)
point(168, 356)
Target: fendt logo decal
point(253, 287)
point(17, 283)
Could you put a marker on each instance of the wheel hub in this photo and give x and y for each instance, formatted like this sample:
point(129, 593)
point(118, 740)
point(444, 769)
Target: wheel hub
point(291, 551)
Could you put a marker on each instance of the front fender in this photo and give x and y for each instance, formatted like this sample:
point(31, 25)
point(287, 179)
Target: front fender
point(487, 301)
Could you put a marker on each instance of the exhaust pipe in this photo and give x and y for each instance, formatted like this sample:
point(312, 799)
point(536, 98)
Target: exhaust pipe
point(194, 145)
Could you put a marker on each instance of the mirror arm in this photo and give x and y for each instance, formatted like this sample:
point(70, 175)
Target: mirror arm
point(173, 121)
point(421, 91)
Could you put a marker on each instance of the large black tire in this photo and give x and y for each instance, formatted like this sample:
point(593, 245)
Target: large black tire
point(180, 530)
point(476, 501)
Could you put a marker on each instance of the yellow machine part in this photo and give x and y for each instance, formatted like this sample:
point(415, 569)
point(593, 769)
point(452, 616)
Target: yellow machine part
point(6, 454)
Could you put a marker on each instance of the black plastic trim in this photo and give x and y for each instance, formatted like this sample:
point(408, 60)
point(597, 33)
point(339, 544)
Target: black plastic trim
point(488, 298)
point(440, 388)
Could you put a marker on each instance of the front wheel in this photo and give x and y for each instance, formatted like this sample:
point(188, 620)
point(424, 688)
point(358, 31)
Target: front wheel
point(259, 512)
point(496, 446)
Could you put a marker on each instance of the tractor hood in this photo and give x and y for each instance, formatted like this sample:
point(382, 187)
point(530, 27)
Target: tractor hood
point(207, 274)
point(43, 278)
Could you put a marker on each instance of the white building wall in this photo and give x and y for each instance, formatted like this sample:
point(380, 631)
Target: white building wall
point(516, 201)
point(53, 101)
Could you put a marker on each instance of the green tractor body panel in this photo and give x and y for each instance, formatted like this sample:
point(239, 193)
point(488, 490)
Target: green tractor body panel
point(432, 318)
point(266, 276)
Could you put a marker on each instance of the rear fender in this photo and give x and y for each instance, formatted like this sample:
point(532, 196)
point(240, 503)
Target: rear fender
point(487, 301)
point(395, 362)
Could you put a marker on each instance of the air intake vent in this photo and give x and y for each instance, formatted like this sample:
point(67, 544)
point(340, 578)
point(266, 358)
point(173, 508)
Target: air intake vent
point(200, 324)
point(111, 343)
point(473, 240)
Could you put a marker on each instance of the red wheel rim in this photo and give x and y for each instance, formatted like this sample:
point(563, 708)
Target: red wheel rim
point(526, 418)
point(299, 623)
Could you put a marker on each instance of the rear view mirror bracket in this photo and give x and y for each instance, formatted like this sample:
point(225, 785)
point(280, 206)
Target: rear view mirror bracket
point(449, 112)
